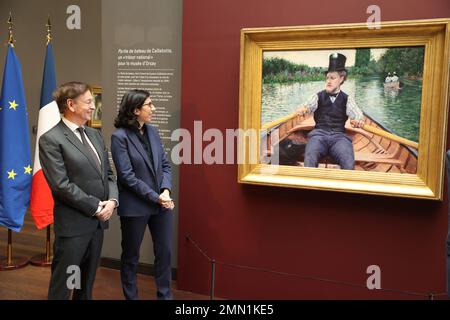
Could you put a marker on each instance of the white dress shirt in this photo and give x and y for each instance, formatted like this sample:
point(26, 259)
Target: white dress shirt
point(74, 127)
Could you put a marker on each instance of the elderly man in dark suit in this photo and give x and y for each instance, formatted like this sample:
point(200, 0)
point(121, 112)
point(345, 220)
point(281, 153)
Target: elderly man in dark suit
point(75, 163)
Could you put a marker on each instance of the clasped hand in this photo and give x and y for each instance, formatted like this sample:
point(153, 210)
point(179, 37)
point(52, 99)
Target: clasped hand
point(165, 200)
point(106, 211)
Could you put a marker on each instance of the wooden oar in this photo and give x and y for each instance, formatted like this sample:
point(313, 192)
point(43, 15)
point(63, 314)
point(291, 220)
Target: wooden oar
point(368, 128)
point(388, 135)
point(274, 123)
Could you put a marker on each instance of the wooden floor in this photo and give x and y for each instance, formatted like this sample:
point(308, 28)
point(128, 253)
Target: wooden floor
point(31, 283)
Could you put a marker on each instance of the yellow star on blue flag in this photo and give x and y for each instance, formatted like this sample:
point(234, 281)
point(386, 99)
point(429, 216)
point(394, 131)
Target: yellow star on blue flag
point(28, 169)
point(13, 104)
point(11, 174)
point(15, 188)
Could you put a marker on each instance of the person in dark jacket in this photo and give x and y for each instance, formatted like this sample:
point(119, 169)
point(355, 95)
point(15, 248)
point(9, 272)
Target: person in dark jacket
point(332, 107)
point(144, 180)
point(75, 163)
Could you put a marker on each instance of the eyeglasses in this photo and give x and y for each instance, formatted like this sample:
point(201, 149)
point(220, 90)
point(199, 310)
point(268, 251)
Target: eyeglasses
point(88, 102)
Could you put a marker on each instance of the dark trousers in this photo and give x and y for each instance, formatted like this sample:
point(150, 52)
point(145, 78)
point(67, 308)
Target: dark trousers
point(81, 252)
point(133, 229)
point(335, 144)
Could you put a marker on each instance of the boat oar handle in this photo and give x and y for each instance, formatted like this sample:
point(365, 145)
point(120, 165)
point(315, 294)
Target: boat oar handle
point(388, 135)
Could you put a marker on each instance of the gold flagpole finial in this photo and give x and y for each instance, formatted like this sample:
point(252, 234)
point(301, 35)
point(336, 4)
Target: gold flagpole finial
point(49, 30)
point(10, 31)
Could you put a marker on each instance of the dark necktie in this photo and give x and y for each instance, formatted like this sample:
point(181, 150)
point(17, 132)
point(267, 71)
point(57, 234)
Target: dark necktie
point(89, 149)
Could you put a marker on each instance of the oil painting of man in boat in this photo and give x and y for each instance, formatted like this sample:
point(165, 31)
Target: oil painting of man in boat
point(381, 127)
point(331, 108)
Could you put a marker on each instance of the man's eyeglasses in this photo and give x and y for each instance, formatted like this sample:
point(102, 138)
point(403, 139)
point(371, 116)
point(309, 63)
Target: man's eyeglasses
point(87, 102)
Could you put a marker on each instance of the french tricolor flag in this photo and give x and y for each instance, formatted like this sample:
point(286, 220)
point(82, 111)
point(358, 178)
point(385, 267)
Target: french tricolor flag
point(41, 203)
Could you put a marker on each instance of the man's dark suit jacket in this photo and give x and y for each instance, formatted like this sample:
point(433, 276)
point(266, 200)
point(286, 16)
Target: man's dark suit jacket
point(140, 181)
point(77, 185)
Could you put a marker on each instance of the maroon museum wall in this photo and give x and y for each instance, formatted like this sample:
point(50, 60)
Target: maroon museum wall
point(311, 233)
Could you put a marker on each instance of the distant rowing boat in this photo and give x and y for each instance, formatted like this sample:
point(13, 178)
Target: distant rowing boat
point(380, 151)
point(392, 85)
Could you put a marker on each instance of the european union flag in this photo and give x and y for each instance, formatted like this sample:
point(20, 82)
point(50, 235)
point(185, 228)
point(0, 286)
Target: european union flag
point(15, 159)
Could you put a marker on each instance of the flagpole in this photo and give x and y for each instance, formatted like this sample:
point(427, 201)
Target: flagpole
point(11, 263)
point(45, 260)
point(10, 31)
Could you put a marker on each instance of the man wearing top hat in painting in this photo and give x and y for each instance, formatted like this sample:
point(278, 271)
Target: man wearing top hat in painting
point(332, 107)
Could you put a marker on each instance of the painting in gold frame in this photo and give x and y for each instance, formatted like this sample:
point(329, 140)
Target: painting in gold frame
point(259, 158)
point(96, 120)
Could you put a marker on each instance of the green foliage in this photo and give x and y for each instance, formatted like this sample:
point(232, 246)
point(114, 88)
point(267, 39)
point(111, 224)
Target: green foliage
point(369, 69)
point(407, 62)
point(278, 70)
point(362, 58)
point(404, 61)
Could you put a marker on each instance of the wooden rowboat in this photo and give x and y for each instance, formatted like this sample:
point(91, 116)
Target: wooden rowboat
point(373, 152)
point(392, 85)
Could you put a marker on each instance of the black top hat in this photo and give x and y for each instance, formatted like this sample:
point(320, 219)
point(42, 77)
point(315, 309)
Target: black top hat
point(337, 62)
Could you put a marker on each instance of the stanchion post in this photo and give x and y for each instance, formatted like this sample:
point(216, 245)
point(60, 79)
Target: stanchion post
point(213, 277)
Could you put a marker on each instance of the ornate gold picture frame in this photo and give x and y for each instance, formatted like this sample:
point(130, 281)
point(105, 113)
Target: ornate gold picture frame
point(260, 142)
point(96, 120)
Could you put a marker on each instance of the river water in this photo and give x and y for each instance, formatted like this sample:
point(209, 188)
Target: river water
point(396, 110)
